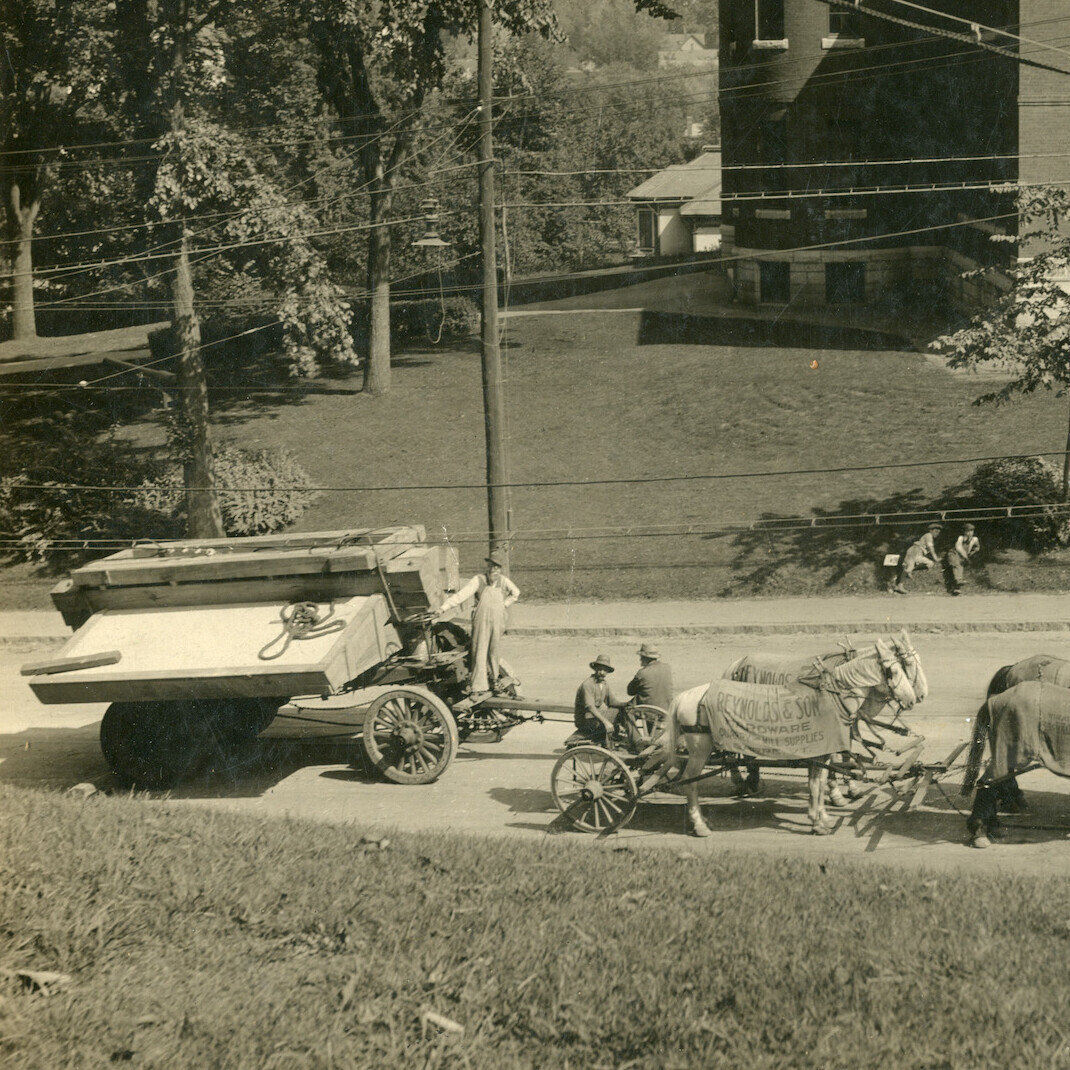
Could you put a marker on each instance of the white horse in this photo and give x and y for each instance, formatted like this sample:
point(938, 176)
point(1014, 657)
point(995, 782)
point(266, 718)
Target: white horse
point(773, 722)
point(808, 672)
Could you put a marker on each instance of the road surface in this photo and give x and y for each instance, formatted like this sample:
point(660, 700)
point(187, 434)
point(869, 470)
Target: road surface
point(503, 789)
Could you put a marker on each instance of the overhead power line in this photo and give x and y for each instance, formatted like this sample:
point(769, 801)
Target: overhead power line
point(771, 527)
point(529, 484)
point(973, 39)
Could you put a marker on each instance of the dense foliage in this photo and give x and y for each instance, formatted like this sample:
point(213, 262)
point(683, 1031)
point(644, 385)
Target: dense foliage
point(127, 494)
point(1029, 486)
point(1027, 330)
point(250, 163)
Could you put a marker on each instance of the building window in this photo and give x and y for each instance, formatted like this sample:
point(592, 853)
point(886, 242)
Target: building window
point(843, 22)
point(646, 230)
point(845, 30)
point(774, 277)
point(769, 20)
point(845, 283)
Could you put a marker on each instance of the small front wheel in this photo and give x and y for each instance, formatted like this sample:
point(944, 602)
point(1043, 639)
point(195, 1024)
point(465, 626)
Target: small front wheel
point(410, 735)
point(594, 789)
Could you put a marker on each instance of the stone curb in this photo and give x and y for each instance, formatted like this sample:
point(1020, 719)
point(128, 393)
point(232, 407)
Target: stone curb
point(796, 627)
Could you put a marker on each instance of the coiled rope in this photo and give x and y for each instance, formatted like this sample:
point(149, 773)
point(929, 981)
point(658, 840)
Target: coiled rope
point(301, 620)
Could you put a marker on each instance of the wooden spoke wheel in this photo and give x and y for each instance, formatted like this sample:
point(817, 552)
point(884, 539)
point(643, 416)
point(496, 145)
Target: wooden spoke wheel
point(154, 745)
point(594, 789)
point(410, 735)
point(649, 722)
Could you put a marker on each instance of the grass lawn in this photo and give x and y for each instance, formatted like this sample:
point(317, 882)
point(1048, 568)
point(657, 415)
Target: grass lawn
point(202, 939)
point(617, 395)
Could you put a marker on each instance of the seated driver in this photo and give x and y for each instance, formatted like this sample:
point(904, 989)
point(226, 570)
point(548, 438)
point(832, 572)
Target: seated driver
point(596, 705)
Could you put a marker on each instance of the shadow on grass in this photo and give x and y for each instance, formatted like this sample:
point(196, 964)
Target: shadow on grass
point(62, 757)
point(857, 533)
point(670, 328)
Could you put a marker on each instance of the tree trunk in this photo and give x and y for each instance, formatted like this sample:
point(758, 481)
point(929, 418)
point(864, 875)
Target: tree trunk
point(377, 366)
point(203, 517)
point(1066, 466)
point(21, 221)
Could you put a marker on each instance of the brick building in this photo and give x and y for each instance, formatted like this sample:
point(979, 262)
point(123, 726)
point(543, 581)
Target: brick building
point(859, 153)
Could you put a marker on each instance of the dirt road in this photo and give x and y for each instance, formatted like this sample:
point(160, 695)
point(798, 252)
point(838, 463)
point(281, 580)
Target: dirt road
point(302, 769)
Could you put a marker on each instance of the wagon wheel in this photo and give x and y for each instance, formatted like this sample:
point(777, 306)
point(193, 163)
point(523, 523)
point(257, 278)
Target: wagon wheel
point(154, 745)
point(594, 789)
point(649, 721)
point(410, 735)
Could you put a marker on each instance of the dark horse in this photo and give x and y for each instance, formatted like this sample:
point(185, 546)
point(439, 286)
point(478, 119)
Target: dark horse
point(1025, 727)
point(1047, 667)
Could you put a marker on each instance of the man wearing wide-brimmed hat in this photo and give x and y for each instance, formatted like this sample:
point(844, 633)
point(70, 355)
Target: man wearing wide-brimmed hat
point(595, 703)
point(652, 683)
point(494, 593)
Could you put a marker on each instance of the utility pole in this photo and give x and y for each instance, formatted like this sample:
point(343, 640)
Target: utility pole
point(493, 404)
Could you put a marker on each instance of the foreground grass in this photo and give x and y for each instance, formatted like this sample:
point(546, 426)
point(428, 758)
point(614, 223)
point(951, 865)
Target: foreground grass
point(214, 940)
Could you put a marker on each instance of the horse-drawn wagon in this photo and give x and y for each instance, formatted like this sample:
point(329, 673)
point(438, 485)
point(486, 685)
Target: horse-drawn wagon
point(197, 645)
point(838, 713)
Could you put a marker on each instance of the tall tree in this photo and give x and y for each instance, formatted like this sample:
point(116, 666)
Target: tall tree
point(177, 57)
point(1027, 329)
point(52, 96)
point(380, 60)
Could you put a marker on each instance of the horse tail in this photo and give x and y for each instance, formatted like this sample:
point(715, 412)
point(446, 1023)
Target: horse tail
point(998, 684)
point(981, 727)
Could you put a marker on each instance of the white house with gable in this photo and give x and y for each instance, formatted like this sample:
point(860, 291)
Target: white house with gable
point(679, 209)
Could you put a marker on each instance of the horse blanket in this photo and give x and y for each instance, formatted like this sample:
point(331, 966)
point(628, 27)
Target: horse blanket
point(768, 721)
point(1044, 667)
point(1029, 723)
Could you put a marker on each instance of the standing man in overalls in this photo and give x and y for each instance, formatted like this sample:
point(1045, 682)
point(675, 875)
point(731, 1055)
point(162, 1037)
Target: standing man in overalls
point(494, 593)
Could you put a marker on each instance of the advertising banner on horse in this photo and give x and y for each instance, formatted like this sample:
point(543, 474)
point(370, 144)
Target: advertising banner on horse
point(767, 721)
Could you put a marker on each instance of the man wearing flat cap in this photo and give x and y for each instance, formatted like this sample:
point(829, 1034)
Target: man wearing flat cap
point(652, 683)
point(494, 593)
point(920, 554)
point(967, 545)
point(595, 703)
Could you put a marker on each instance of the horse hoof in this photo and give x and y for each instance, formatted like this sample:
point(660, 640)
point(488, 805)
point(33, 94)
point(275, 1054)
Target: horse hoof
point(837, 798)
point(698, 827)
point(821, 830)
point(980, 840)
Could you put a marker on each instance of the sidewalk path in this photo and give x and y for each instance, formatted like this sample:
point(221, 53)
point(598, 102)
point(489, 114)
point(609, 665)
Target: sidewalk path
point(920, 613)
point(917, 613)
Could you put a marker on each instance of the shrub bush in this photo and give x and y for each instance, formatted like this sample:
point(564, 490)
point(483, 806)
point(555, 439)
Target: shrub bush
point(132, 496)
point(1022, 482)
point(271, 490)
point(37, 516)
point(434, 320)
